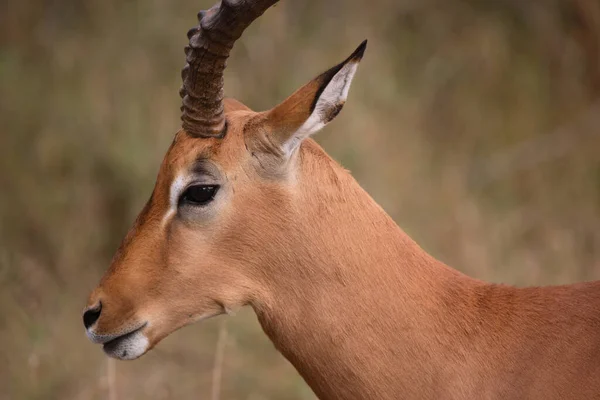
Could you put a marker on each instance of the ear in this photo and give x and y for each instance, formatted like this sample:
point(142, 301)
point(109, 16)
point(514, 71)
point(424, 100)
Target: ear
point(312, 106)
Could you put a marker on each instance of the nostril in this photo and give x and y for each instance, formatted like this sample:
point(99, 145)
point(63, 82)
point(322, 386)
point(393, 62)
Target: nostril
point(91, 315)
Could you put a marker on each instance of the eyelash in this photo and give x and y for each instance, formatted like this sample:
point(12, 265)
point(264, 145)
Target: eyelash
point(199, 195)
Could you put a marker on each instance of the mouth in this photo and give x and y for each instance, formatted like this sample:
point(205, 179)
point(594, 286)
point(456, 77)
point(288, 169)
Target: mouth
point(128, 346)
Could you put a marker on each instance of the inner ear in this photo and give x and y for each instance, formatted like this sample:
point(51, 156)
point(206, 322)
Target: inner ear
point(230, 104)
point(312, 106)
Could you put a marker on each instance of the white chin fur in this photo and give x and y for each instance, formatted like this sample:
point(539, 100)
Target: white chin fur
point(128, 347)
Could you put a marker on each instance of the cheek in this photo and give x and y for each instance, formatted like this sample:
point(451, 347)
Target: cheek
point(190, 272)
point(183, 302)
point(213, 263)
point(205, 281)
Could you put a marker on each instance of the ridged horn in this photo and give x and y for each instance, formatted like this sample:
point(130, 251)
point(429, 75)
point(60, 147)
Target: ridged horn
point(206, 58)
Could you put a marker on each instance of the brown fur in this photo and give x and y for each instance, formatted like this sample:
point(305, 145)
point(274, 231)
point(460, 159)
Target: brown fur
point(357, 307)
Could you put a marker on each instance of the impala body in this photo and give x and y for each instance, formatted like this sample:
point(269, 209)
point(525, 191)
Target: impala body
point(248, 210)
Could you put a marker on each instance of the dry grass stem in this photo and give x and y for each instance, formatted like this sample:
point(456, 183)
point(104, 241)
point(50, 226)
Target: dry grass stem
point(217, 372)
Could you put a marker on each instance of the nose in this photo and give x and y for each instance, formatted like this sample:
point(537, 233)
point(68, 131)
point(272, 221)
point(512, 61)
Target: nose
point(91, 315)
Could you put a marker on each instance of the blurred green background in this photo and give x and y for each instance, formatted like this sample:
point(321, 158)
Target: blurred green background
point(475, 124)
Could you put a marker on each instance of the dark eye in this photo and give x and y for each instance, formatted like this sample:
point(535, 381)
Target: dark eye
point(199, 195)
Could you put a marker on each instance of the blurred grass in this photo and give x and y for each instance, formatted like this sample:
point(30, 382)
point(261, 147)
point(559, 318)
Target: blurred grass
point(476, 124)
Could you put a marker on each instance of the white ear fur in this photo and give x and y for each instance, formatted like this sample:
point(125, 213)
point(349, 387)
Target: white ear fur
point(328, 104)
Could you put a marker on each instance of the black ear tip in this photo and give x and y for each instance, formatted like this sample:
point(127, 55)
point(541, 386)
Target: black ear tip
point(359, 52)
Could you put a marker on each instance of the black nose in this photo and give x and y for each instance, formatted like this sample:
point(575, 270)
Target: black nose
point(91, 315)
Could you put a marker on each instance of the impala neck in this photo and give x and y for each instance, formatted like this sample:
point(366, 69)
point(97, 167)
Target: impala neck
point(357, 291)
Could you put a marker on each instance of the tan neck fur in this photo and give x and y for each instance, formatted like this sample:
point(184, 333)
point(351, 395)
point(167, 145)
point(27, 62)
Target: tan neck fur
point(363, 312)
point(324, 316)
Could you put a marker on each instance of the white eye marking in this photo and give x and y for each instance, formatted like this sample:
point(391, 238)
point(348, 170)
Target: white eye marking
point(177, 187)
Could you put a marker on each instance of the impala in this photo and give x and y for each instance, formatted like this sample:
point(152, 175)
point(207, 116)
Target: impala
point(248, 210)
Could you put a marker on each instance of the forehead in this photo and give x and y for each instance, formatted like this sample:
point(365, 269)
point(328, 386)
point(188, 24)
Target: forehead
point(187, 151)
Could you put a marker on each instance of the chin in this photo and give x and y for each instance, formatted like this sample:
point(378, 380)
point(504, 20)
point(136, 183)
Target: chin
point(127, 347)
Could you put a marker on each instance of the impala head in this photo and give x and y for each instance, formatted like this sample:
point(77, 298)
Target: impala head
point(224, 200)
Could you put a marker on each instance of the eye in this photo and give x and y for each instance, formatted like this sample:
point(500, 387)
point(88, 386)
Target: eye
point(199, 195)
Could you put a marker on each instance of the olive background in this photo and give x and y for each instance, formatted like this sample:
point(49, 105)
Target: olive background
point(475, 124)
